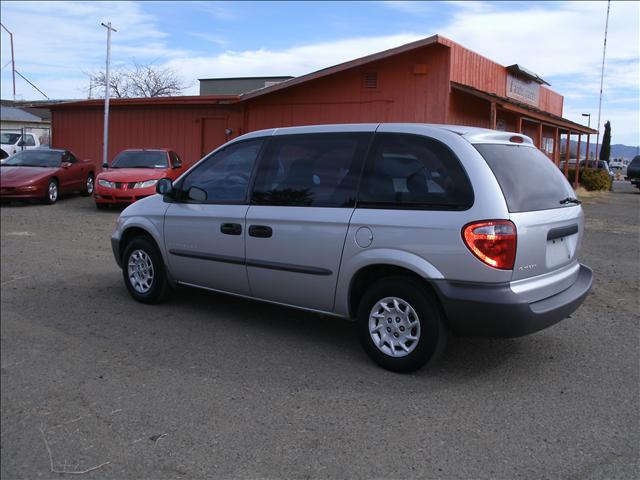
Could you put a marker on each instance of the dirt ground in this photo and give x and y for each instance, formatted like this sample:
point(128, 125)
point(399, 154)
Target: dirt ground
point(212, 386)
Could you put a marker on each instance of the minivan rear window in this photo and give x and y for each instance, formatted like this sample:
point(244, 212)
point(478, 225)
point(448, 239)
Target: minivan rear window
point(528, 179)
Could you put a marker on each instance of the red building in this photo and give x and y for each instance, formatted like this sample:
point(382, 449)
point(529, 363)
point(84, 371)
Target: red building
point(433, 80)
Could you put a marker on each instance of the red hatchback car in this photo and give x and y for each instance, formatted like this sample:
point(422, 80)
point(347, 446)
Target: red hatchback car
point(45, 174)
point(133, 175)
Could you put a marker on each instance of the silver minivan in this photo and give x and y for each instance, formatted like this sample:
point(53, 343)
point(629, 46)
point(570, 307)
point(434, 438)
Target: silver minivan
point(415, 231)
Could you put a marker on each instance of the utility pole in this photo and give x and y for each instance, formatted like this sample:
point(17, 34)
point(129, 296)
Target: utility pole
point(13, 61)
point(604, 51)
point(105, 143)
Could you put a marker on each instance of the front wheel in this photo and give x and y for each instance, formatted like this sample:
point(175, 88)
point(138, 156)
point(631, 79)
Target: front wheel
point(52, 193)
point(88, 185)
point(143, 271)
point(400, 325)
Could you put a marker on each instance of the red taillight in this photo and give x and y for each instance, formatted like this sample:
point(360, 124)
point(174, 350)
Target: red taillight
point(493, 242)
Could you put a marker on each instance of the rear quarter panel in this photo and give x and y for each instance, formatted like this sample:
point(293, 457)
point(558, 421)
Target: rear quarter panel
point(427, 242)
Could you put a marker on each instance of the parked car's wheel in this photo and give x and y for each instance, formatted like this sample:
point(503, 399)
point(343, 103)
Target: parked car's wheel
point(52, 193)
point(400, 325)
point(143, 271)
point(102, 206)
point(89, 185)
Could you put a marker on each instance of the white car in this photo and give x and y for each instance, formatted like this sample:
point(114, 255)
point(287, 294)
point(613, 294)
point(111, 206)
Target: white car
point(12, 142)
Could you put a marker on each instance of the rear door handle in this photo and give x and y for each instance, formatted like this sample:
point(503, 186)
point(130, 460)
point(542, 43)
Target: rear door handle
point(261, 231)
point(231, 228)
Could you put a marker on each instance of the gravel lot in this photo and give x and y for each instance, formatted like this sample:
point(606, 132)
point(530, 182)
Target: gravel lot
point(212, 386)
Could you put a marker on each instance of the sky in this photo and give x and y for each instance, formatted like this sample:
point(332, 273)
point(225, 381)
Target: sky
point(57, 44)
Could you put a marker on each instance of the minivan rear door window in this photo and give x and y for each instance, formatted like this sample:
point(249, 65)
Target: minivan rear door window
point(412, 171)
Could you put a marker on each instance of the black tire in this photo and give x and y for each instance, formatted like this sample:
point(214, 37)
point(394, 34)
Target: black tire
point(158, 290)
point(432, 336)
point(102, 206)
point(48, 198)
point(88, 189)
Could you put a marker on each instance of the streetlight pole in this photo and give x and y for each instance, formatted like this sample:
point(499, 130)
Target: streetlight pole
point(604, 51)
point(13, 61)
point(105, 143)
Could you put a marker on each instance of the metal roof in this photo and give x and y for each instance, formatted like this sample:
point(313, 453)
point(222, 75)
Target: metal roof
point(13, 114)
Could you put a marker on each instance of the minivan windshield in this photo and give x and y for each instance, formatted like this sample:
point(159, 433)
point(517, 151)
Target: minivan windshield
point(141, 159)
point(528, 178)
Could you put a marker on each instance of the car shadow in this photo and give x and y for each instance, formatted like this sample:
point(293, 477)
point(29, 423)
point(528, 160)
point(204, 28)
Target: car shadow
point(201, 331)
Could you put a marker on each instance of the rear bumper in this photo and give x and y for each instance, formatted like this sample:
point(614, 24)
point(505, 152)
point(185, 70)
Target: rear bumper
point(496, 311)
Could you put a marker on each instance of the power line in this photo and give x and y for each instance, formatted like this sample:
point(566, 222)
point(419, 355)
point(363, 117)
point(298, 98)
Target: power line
point(29, 82)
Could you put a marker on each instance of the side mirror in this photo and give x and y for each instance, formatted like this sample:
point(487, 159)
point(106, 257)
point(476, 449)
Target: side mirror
point(164, 186)
point(65, 164)
point(176, 165)
point(22, 143)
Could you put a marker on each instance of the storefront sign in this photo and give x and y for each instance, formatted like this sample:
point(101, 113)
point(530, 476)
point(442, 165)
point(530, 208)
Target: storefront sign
point(523, 90)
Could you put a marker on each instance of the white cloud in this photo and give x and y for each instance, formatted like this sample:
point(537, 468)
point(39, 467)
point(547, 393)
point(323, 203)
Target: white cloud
point(57, 41)
point(291, 61)
point(561, 41)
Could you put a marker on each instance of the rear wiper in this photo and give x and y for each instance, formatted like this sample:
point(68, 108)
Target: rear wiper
point(570, 200)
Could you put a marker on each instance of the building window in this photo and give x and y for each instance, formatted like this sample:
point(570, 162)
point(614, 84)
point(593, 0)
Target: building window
point(547, 145)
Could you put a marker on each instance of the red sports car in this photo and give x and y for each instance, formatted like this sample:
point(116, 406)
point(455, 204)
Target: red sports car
point(45, 174)
point(133, 175)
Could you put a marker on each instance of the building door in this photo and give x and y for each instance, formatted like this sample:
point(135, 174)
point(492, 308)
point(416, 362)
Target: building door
point(213, 134)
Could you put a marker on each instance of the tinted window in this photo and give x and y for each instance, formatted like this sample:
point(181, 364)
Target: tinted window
point(224, 175)
point(69, 157)
point(319, 170)
point(175, 159)
point(412, 171)
point(29, 141)
point(9, 138)
point(141, 159)
point(529, 180)
point(35, 158)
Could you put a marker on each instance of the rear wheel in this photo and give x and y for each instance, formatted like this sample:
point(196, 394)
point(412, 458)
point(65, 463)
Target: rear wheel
point(400, 325)
point(89, 185)
point(143, 271)
point(52, 193)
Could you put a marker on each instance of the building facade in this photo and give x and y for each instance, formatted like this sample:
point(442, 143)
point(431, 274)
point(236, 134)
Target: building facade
point(433, 80)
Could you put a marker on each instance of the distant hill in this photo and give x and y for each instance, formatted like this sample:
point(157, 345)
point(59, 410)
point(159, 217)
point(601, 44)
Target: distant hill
point(617, 150)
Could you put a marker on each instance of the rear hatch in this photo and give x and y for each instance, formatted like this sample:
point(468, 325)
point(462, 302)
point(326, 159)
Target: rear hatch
point(549, 221)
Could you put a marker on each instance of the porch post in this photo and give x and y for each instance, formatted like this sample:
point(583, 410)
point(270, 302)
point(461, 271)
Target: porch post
point(556, 147)
point(586, 163)
point(520, 124)
point(540, 136)
point(575, 183)
point(567, 154)
point(492, 120)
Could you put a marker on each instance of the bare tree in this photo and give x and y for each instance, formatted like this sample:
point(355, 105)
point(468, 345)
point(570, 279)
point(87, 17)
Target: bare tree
point(139, 81)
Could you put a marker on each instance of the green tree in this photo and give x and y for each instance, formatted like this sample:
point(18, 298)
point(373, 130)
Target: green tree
point(605, 149)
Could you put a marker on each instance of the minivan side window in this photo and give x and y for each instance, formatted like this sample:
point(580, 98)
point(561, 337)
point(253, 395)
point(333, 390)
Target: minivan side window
point(412, 171)
point(314, 170)
point(223, 176)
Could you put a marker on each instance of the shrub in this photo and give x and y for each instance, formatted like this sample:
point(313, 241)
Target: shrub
point(595, 179)
point(591, 179)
